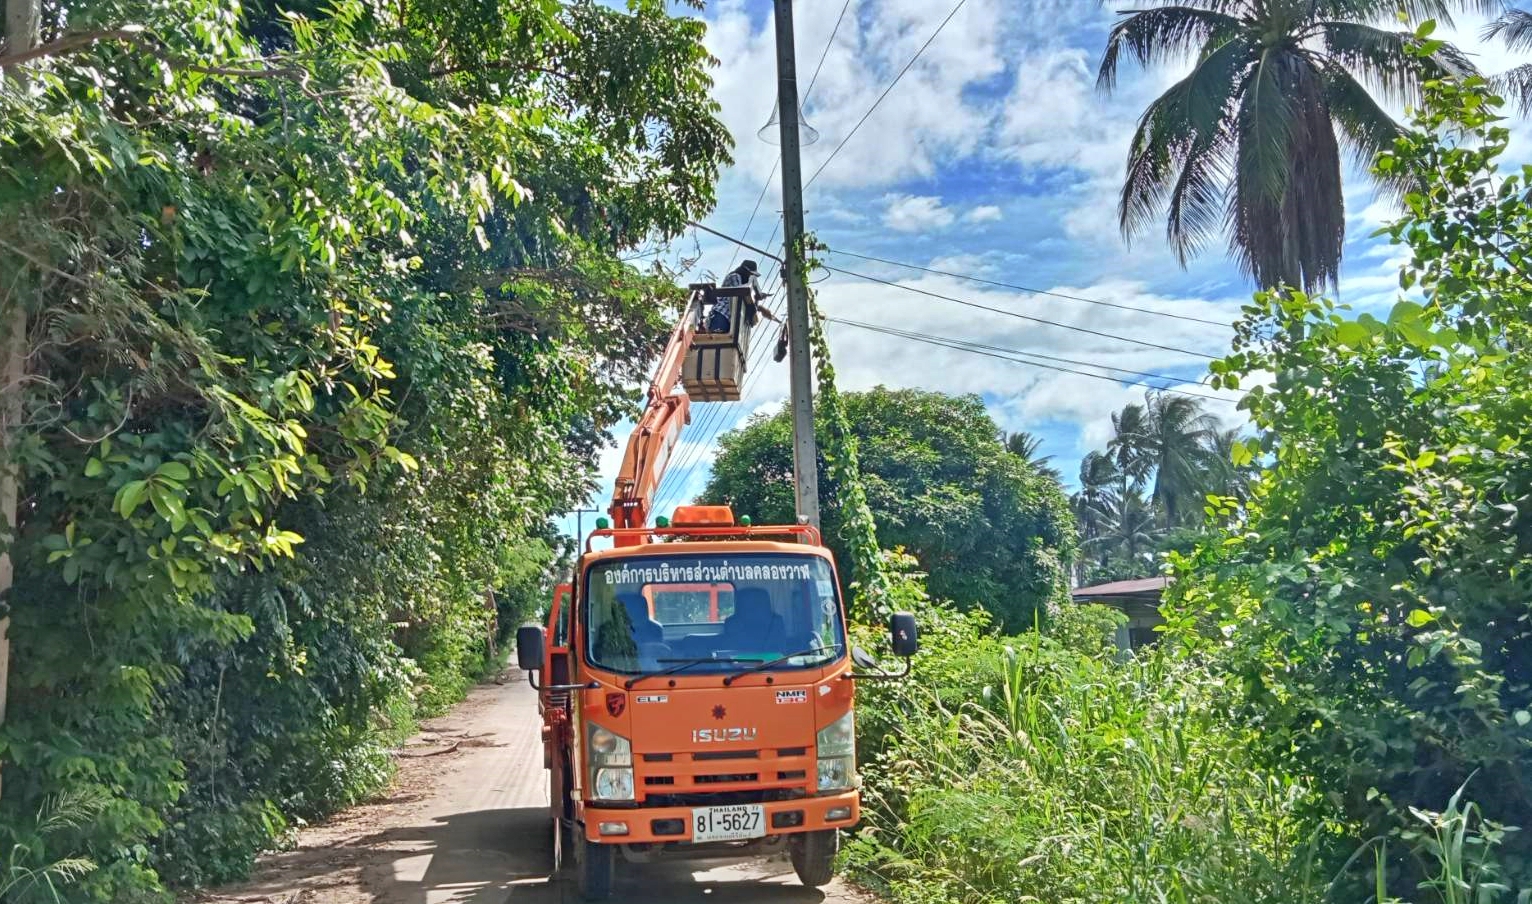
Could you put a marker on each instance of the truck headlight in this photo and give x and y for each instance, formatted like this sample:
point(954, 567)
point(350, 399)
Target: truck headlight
point(611, 763)
point(614, 784)
point(838, 738)
point(837, 773)
point(607, 748)
point(836, 746)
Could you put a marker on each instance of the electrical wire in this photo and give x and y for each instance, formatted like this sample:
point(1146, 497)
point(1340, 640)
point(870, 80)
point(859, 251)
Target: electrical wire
point(802, 102)
point(959, 346)
point(1021, 316)
point(1019, 288)
point(955, 8)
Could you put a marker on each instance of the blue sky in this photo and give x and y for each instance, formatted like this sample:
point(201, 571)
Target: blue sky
point(994, 157)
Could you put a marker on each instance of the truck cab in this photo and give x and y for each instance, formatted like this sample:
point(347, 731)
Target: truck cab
point(697, 692)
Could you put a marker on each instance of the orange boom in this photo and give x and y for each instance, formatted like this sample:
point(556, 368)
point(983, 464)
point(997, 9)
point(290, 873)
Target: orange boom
point(697, 686)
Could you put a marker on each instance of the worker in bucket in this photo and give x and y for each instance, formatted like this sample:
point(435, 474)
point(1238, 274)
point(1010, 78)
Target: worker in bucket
point(746, 274)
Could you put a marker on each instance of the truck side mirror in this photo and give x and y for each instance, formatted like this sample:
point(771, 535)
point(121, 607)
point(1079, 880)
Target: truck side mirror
point(529, 647)
point(905, 634)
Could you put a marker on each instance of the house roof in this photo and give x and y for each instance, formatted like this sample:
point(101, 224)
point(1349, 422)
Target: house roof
point(1144, 588)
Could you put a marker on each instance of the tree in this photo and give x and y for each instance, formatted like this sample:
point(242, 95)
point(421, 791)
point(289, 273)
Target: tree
point(990, 530)
point(1374, 587)
point(1168, 440)
point(1129, 536)
point(1026, 446)
point(325, 319)
point(1250, 140)
point(1514, 29)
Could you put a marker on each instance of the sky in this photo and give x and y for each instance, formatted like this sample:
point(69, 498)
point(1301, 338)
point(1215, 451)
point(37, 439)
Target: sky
point(993, 157)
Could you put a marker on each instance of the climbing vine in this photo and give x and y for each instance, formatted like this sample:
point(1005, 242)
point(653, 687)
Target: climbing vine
point(860, 529)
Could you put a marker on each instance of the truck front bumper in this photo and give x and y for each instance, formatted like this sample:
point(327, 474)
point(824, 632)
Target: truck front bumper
point(659, 825)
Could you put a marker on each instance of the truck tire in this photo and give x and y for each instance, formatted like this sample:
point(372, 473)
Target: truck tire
point(598, 867)
point(813, 856)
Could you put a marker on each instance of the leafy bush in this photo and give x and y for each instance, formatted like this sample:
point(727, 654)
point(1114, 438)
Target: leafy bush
point(324, 320)
point(1040, 768)
point(1374, 589)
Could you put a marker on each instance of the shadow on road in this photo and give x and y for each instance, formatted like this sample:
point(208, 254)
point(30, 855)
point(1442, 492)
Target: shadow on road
point(503, 857)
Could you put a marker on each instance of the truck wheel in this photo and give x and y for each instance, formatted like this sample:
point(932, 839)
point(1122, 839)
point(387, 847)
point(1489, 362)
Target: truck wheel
point(597, 869)
point(813, 856)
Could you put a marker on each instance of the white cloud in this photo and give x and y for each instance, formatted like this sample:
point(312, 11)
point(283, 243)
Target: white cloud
point(984, 213)
point(915, 213)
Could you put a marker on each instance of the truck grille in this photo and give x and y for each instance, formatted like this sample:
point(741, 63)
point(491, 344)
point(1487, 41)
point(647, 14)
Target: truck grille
point(706, 776)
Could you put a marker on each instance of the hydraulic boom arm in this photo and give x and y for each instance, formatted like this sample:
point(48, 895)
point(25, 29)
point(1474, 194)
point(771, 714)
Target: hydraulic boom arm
point(654, 438)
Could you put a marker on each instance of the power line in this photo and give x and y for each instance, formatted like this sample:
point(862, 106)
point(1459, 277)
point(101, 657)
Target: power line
point(885, 93)
point(955, 346)
point(1010, 351)
point(1021, 316)
point(824, 53)
point(777, 163)
point(1050, 294)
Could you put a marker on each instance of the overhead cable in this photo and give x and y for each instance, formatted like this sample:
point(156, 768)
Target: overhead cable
point(1017, 314)
point(1028, 289)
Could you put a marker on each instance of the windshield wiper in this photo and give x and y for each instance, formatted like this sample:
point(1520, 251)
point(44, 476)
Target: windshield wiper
point(763, 666)
point(683, 666)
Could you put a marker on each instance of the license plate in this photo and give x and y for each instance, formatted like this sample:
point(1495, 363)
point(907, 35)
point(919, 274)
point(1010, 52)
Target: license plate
point(735, 823)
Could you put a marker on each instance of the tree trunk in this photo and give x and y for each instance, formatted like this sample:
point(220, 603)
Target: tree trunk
point(22, 21)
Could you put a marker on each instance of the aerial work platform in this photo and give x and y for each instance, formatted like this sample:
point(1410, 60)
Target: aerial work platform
point(716, 361)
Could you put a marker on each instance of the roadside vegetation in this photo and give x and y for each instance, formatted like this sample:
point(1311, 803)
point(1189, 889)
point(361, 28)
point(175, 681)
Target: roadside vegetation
point(324, 322)
point(991, 529)
point(1340, 708)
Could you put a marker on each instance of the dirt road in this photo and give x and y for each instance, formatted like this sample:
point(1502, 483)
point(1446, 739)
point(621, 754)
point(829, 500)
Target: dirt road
point(467, 823)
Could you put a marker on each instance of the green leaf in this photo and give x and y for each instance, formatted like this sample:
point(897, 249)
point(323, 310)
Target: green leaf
point(1522, 717)
point(174, 470)
point(94, 467)
point(129, 497)
point(1426, 459)
point(1419, 618)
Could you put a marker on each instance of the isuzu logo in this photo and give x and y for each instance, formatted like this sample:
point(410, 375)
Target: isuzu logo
point(722, 735)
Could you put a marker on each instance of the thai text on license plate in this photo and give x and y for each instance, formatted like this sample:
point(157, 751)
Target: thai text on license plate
point(734, 823)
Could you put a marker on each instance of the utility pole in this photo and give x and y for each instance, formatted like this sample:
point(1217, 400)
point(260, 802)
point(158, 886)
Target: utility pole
point(23, 20)
point(805, 456)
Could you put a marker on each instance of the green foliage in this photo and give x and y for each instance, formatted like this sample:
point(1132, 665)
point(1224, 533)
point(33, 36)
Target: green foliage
point(1147, 491)
point(325, 320)
point(990, 531)
point(1374, 588)
point(1030, 768)
point(1249, 142)
point(859, 532)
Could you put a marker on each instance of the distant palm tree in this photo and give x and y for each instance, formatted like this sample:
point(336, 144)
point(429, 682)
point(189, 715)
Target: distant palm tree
point(1131, 535)
point(1025, 446)
point(1247, 142)
point(1223, 476)
point(1167, 437)
point(1514, 29)
point(1097, 498)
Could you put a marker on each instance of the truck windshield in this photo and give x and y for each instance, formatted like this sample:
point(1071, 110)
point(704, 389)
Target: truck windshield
point(646, 614)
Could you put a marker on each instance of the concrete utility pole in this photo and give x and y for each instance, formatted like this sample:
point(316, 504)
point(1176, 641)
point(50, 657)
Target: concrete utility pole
point(805, 456)
point(23, 19)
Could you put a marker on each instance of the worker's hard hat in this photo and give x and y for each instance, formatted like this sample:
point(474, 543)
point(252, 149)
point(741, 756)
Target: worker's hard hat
point(749, 267)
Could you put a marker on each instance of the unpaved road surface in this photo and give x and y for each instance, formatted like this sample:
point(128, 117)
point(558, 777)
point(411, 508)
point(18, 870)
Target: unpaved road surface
point(467, 823)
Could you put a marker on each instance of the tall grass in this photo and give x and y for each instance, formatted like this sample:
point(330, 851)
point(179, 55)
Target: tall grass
point(1073, 778)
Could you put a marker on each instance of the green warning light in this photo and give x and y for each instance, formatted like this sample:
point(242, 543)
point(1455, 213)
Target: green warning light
point(662, 521)
point(744, 520)
point(602, 524)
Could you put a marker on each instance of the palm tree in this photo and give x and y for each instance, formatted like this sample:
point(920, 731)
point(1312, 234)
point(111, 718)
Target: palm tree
point(1514, 29)
point(1100, 491)
point(1222, 475)
point(1131, 535)
point(1247, 142)
point(1025, 446)
point(1168, 437)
